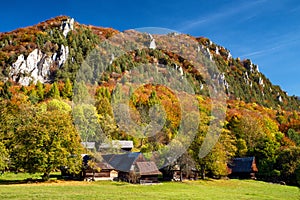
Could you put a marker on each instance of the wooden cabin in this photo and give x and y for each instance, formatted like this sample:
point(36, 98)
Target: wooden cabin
point(242, 168)
point(148, 172)
point(133, 167)
point(173, 173)
point(100, 171)
point(130, 167)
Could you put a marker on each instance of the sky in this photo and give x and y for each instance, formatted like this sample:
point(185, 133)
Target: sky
point(265, 31)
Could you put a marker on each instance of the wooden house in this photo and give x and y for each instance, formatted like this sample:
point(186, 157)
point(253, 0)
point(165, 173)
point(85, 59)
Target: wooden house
point(148, 172)
point(242, 168)
point(133, 167)
point(174, 173)
point(100, 170)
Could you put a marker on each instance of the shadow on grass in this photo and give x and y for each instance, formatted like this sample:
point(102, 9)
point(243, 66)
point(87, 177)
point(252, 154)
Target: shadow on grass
point(121, 183)
point(26, 181)
point(53, 178)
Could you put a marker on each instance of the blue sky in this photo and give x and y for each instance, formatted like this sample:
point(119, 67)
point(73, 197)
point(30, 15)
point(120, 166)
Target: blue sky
point(266, 31)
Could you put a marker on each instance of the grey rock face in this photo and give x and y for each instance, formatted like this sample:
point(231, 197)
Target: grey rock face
point(67, 26)
point(37, 65)
point(152, 42)
point(63, 55)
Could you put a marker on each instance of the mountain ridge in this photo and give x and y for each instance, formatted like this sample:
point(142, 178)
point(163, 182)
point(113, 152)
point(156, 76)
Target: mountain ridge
point(41, 52)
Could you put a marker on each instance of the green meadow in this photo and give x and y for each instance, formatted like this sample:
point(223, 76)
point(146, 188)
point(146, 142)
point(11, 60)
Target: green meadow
point(209, 189)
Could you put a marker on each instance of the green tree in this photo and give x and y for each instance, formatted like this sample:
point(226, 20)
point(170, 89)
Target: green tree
point(81, 93)
point(109, 127)
point(3, 157)
point(56, 104)
point(87, 123)
point(265, 152)
point(250, 129)
point(287, 163)
point(33, 97)
point(67, 91)
point(293, 135)
point(54, 91)
point(241, 147)
point(9, 121)
point(103, 106)
point(5, 90)
point(40, 90)
point(44, 141)
point(215, 162)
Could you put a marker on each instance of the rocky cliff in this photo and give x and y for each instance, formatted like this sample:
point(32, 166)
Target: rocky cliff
point(37, 65)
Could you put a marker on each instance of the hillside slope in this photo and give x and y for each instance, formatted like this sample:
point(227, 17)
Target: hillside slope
point(54, 50)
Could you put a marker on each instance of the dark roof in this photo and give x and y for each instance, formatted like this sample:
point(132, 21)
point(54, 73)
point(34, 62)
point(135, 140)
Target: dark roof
point(102, 164)
point(243, 165)
point(122, 162)
point(148, 168)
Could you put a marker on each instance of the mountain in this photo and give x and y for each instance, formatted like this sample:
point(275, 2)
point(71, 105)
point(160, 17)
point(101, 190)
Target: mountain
point(51, 69)
point(54, 50)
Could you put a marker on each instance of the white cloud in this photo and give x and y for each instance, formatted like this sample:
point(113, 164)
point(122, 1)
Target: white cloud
point(275, 44)
point(229, 11)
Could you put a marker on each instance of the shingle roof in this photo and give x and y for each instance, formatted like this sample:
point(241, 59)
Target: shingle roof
point(121, 162)
point(148, 168)
point(242, 165)
point(102, 164)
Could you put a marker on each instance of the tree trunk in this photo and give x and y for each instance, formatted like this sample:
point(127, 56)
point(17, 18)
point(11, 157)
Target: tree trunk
point(202, 172)
point(93, 174)
point(46, 176)
point(181, 174)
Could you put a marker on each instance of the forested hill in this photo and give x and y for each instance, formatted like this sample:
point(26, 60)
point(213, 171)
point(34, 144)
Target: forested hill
point(54, 50)
point(41, 118)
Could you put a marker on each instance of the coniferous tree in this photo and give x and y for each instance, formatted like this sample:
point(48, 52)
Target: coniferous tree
point(67, 91)
point(40, 90)
point(54, 91)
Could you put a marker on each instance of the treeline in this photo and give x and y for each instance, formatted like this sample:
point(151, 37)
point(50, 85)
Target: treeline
point(37, 116)
point(35, 93)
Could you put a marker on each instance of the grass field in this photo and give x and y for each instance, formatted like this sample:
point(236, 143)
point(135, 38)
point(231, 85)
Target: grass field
point(211, 189)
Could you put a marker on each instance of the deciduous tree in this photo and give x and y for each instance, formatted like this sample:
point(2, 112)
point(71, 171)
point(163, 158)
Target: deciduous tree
point(44, 141)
